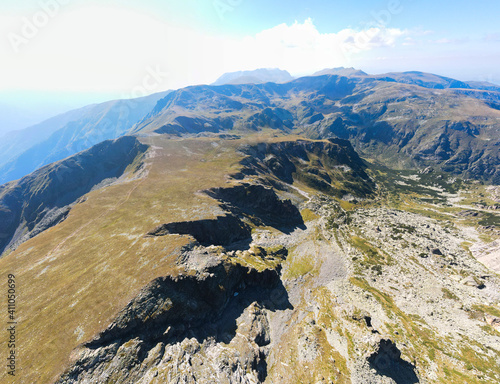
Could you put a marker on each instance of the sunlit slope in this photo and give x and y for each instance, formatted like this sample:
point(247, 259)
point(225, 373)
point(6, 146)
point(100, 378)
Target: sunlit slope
point(25, 151)
point(42, 199)
point(402, 125)
point(353, 259)
point(74, 278)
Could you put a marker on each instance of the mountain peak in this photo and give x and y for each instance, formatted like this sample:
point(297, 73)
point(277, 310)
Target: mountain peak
point(257, 76)
point(341, 71)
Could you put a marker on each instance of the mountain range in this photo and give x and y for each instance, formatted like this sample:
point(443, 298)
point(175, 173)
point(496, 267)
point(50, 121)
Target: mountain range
point(408, 119)
point(24, 151)
point(257, 76)
point(341, 227)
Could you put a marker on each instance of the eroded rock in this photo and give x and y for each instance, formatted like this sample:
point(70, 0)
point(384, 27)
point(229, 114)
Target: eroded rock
point(180, 325)
point(259, 204)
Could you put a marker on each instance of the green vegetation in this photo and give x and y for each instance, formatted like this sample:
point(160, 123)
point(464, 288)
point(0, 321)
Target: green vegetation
point(373, 259)
point(308, 215)
point(487, 309)
point(100, 251)
point(449, 294)
point(300, 265)
point(260, 258)
point(490, 219)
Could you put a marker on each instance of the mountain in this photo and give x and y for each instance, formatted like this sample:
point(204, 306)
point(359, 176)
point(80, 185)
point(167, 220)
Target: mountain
point(70, 133)
point(426, 80)
point(264, 257)
point(16, 142)
point(400, 124)
point(16, 117)
point(457, 143)
point(257, 76)
point(484, 85)
point(341, 71)
point(42, 199)
point(333, 228)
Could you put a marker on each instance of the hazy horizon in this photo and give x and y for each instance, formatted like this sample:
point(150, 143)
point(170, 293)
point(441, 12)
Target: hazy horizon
point(23, 109)
point(60, 55)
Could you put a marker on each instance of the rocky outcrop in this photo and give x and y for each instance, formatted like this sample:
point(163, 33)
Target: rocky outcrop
point(223, 230)
point(369, 294)
point(202, 326)
point(322, 165)
point(43, 199)
point(259, 204)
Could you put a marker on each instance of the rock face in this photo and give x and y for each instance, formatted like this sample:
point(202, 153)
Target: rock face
point(223, 230)
point(209, 326)
point(43, 199)
point(254, 203)
point(258, 204)
point(369, 312)
point(300, 267)
point(322, 165)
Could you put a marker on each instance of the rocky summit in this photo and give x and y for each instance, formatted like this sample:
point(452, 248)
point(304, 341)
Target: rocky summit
point(338, 228)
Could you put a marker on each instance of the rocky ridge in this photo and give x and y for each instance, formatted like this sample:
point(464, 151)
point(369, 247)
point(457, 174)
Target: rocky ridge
point(44, 198)
point(361, 295)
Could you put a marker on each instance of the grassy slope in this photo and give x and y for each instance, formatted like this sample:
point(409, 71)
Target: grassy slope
point(75, 277)
point(79, 274)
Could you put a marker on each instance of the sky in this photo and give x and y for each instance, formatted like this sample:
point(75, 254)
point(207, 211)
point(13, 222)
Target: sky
point(60, 54)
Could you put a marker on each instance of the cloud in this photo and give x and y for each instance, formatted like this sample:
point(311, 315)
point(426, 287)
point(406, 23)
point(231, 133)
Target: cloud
point(301, 48)
point(98, 48)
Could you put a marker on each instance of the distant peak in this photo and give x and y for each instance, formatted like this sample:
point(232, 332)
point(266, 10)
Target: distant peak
point(257, 76)
point(341, 71)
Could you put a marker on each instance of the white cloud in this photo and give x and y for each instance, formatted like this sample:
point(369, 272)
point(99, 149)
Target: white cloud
point(98, 48)
point(300, 47)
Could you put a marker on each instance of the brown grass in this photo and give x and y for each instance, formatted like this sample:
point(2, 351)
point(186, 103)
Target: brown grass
point(74, 278)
